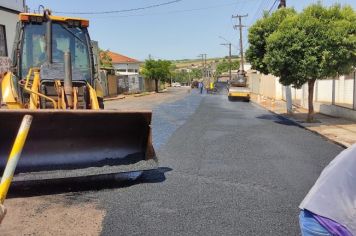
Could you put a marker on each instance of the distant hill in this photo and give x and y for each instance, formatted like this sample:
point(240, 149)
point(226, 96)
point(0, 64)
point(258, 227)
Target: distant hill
point(191, 63)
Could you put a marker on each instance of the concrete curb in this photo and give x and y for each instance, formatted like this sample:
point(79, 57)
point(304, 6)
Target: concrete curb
point(300, 125)
point(115, 98)
point(143, 94)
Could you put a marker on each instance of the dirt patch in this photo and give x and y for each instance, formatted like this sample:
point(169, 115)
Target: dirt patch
point(51, 215)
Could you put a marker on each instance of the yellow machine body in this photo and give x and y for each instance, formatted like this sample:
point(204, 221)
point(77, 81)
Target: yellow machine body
point(71, 135)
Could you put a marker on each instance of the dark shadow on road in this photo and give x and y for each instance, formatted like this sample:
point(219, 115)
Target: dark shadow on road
point(82, 184)
point(278, 119)
point(154, 176)
point(236, 99)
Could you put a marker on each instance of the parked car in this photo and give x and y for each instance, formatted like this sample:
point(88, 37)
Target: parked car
point(194, 84)
point(176, 84)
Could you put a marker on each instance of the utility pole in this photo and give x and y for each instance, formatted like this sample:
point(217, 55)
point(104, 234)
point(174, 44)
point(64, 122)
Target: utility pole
point(283, 3)
point(228, 44)
point(240, 26)
point(203, 58)
point(205, 67)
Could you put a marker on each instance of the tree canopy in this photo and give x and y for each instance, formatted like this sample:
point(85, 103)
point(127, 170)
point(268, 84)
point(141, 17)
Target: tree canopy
point(158, 70)
point(258, 34)
point(187, 76)
point(105, 59)
point(225, 65)
point(318, 43)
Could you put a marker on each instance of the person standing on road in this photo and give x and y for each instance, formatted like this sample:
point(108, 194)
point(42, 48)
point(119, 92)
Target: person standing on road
point(330, 206)
point(201, 87)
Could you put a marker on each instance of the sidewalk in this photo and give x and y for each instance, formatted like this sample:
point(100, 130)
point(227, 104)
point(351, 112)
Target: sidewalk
point(338, 130)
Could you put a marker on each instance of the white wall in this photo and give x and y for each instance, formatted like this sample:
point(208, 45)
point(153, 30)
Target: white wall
point(344, 91)
point(9, 20)
point(17, 5)
point(269, 86)
point(127, 67)
point(324, 91)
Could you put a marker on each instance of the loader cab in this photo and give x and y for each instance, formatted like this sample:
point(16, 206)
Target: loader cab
point(43, 39)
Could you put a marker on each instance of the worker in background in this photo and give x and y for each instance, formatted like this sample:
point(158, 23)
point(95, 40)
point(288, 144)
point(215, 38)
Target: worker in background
point(211, 86)
point(330, 206)
point(201, 87)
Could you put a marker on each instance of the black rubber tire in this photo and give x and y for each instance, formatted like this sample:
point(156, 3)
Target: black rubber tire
point(101, 102)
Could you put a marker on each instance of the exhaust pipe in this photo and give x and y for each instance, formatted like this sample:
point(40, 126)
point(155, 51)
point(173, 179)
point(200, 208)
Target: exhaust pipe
point(68, 86)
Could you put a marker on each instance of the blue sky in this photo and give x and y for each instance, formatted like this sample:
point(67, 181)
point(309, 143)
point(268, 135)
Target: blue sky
point(180, 30)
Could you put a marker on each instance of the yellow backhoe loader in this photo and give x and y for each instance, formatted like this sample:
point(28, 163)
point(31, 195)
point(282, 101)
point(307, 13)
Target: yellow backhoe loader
point(53, 78)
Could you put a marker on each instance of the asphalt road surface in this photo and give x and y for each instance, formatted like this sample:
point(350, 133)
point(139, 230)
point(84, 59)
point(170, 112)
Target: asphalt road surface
point(228, 168)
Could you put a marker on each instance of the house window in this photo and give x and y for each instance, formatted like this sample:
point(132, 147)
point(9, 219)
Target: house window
point(3, 47)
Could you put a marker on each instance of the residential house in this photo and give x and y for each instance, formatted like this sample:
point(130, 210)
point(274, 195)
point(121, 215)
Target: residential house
point(124, 65)
point(9, 11)
point(126, 78)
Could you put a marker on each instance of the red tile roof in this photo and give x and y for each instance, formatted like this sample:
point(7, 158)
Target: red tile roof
point(118, 58)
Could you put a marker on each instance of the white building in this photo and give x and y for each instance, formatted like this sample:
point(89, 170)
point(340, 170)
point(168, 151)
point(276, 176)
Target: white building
point(124, 65)
point(127, 69)
point(9, 10)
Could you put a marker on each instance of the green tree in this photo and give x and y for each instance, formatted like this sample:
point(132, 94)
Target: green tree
point(183, 76)
point(196, 74)
point(318, 43)
point(173, 72)
point(258, 35)
point(187, 75)
point(158, 70)
point(224, 66)
point(105, 59)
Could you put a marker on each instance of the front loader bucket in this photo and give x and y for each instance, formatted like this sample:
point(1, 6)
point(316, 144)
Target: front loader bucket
point(75, 143)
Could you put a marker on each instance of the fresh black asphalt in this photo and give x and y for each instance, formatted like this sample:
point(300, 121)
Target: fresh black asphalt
point(226, 168)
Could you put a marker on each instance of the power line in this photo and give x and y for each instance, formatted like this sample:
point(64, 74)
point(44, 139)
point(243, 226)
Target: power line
point(235, 46)
point(270, 10)
point(120, 11)
point(258, 11)
point(172, 12)
point(262, 8)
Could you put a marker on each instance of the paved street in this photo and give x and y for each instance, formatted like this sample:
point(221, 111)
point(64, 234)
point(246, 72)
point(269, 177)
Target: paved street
point(113, 123)
point(148, 102)
point(226, 168)
point(231, 169)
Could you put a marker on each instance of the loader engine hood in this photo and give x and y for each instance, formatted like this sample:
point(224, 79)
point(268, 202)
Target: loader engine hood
point(55, 71)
